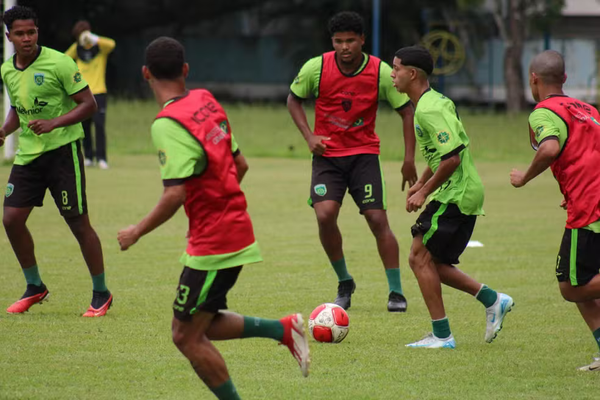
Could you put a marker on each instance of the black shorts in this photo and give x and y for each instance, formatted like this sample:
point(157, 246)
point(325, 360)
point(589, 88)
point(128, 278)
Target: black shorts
point(578, 260)
point(60, 170)
point(445, 230)
point(361, 175)
point(203, 291)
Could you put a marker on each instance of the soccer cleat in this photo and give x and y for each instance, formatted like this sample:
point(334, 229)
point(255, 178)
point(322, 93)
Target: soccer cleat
point(495, 315)
point(87, 162)
point(593, 367)
point(101, 302)
point(396, 302)
point(430, 341)
point(294, 337)
point(102, 164)
point(345, 290)
point(33, 295)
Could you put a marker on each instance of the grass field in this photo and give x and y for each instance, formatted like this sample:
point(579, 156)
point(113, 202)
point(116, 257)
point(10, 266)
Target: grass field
point(52, 353)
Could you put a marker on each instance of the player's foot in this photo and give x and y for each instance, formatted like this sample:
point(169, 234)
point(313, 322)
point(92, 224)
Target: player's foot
point(87, 162)
point(345, 290)
point(294, 337)
point(101, 302)
point(495, 315)
point(430, 341)
point(33, 295)
point(593, 367)
point(396, 302)
point(102, 164)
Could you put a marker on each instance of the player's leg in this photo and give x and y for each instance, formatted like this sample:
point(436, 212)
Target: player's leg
point(328, 186)
point(590, 311)
point(25, 190)
point(367, 187)
point(67, 186)
point(88, 145)
point(422, 264)
point(578, 265)
point(99, 119)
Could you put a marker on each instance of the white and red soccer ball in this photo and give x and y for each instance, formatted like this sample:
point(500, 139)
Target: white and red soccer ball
point(328, 323)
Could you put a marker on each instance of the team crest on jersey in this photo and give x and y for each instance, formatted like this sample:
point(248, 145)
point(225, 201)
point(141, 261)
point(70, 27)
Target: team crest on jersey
point(224, 127)
point(10, 188)
point(419, 131)
point(162, 157)
point(38, 78)
point(358, 122)
point(443, 137)
point(77, 77)
point(346, 104)
point(538, 131)
point(321, 189)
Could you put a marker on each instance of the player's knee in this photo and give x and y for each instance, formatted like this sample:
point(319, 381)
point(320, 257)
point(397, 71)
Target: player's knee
point(11, 221)
point(569, 293)
point(326, 218)
point(181, 339)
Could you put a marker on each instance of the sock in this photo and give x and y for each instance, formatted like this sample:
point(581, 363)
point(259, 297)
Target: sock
point(226, 391)
point(597, 337)
point(393, 278)
point(340, 269)
point(263, 328)
point(486, 296)
point(441, 328)
point(99, 283)
point(32, 276)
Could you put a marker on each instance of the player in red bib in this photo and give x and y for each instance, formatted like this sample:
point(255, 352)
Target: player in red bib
point(348, 85)
point(565, 132)
point(201, 167)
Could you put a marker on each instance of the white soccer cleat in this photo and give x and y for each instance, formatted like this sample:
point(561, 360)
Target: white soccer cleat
point(294, 337)
point(430, 341)
point(495, 316)
point(102, 164)
point(593, 367)
point(87, 162)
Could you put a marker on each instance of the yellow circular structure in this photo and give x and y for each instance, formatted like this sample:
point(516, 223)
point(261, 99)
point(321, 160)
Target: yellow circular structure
point(447, 51)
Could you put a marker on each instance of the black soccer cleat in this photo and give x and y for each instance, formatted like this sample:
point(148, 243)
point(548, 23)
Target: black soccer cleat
point(345, 290)
point(396, 302)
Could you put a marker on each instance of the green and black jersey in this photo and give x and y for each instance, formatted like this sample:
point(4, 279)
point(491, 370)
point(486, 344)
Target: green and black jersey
point(441, 135)
point(42, 90)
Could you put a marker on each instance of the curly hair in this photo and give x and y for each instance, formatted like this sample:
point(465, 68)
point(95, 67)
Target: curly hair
point(346, 21)
point(165, 57)
point(18, 13)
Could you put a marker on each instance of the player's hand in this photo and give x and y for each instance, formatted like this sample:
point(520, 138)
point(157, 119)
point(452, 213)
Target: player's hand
point(316, 145)
point(88, 39)
point(2, 137)
point(409, 174)
point(416, 201)
point(128, 237)
point(563, 204)
point(40, 126)
point(517, 178)
point(414, 189)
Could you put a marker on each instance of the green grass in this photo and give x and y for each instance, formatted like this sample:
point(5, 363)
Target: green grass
point(52, 353)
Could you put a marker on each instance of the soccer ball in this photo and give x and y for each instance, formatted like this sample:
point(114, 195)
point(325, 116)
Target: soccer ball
point(328, 323)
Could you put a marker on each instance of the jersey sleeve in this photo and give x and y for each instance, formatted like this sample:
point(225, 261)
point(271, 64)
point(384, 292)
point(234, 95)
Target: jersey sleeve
point(72, 51)
point(545, 124)
point(69, 75)
point(106, 44)
point(443, 127)
point(306, 83)
point(3, 74)
point(179, 154)
point(387, 91)
point(235, 148)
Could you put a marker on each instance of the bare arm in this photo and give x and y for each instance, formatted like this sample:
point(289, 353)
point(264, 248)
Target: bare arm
point(171, 200)
point(241, 165)
point(315, 143)
point(85, 109)
point(441, 175)
point(409, 170)
point(10, 125)
point(544, 157)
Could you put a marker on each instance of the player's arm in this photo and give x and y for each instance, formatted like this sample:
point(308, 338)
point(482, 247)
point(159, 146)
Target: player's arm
point(404, 107)
point(11, 124)
point(171, 200)
point(85, 109)
point(106, 44)
point(442, 174)
point(241, 165)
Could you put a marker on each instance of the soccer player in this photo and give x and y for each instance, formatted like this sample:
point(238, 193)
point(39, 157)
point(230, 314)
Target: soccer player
point(348, 85)
point(565, 132)
point(49, 99)
point(91, 52)
point(445, 226)
point(201, 167)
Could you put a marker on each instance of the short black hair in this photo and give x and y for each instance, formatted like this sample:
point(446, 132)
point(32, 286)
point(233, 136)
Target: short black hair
point(16, 13)
point(165, 57)
point(416, 56)
point(346, 21)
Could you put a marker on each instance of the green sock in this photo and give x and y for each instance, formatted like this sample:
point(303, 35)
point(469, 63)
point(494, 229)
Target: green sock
point(99, 283)
point(597, 337)
point(486, 296)
point(441, 328)
point(32, 276)
point(264, 328)
point(340, 269)
point(226, 391)
point(393, 278)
